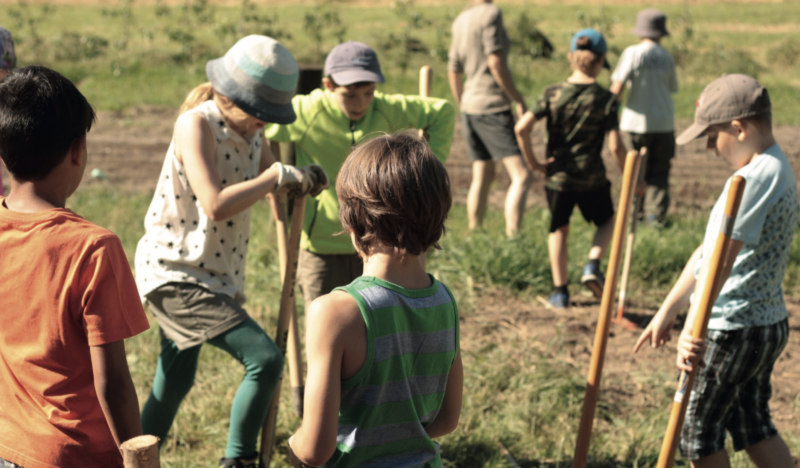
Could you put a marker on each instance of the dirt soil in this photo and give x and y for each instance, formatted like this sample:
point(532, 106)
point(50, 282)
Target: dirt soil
point(129, 147)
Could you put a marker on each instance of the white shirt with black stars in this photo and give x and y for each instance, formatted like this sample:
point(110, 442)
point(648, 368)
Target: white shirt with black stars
point(181, 243)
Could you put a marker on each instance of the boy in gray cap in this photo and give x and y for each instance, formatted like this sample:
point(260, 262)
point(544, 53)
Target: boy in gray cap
point(329, 123)
point(748, 328)
point(649, 115)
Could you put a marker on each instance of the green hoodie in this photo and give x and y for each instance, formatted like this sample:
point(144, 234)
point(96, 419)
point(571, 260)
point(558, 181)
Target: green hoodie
point(324, 135)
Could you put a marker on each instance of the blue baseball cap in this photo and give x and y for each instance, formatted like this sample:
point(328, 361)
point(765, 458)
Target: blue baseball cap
point(353, 62)
point(597, 43)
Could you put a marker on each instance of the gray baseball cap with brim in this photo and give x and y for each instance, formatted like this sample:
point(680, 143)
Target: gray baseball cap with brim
point(727, 98)
point(259, 75)
point(651, 24)
point(353, 62)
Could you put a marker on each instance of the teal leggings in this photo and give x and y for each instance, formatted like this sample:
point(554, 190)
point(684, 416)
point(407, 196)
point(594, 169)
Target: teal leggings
point(263, 364)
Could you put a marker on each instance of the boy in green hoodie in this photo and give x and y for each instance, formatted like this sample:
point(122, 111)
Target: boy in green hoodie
point(329, 123)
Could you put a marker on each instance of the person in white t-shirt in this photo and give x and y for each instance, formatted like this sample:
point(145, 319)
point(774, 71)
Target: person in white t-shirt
point(648, 118)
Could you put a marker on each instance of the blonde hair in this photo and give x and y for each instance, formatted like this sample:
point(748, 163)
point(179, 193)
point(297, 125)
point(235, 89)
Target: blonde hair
point(584, 59)
point(197, 96)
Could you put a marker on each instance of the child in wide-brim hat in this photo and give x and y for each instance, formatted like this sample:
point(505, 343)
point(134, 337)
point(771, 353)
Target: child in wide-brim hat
point(190, 263)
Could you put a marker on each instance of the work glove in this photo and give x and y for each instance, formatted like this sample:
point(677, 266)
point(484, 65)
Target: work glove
point(293, 181)
point(320, 178)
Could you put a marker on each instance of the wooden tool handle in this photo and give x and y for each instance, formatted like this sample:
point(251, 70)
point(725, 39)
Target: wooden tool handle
point(425, 87)
point(284, 318)
point(603, 321)
point(626, 266)
point(141, 452)
point(666, 457)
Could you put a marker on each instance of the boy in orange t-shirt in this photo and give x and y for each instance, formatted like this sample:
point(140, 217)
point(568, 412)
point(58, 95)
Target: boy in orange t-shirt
point(68, 295)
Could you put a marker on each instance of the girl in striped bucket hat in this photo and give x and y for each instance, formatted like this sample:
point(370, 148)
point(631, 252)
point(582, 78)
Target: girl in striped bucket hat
point(190, 262)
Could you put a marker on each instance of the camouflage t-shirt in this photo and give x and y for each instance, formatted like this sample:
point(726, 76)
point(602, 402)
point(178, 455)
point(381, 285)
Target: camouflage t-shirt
point(578, 117)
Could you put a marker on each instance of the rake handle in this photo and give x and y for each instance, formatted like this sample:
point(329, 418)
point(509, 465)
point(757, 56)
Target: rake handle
point(666, 457)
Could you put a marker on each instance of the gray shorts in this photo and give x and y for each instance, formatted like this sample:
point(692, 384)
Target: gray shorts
point(190, 315)
point(319, 274)
point(490, 136)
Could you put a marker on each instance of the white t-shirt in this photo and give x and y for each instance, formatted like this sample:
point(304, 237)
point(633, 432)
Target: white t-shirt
point(649, 71)
point(767, 219)
point(181, 243)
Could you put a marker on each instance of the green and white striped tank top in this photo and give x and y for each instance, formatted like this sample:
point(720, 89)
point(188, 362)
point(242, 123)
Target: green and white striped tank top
point(412, 338)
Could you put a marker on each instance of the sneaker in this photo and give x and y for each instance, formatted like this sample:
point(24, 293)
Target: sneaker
point(558, 300)
point(593, 279)
point(239, 462)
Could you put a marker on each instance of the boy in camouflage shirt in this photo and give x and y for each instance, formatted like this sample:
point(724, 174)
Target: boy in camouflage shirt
point(579, 114)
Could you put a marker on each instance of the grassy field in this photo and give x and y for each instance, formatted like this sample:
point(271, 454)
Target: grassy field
point(520, 391)
point(526, 393)
point(126, 54)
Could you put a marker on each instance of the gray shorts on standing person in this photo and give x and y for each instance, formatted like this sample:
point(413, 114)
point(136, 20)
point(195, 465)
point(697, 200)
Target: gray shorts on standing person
point(478, 52)
point(648, 118)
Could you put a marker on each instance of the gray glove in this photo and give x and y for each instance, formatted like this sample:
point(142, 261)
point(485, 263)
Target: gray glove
point(297, 182)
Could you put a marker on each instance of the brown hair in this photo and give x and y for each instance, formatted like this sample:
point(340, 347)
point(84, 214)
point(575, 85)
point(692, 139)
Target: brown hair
point(394, 192)
point(584, 59)
point(762, 121)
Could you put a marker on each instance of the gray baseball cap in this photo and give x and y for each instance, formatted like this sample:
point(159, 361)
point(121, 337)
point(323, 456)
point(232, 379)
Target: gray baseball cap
point(727, 98)
point(353, 62)
point(651, 24)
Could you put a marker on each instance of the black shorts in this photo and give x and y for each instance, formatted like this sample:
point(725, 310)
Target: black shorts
point(596, 206)
point(490, 136)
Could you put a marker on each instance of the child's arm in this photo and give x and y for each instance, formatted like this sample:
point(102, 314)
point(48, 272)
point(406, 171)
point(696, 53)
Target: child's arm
point(502, 75)
point(658, 330)
point(194, 145)
point(523, 130)
point(691, 350)
point(333, 325)
point(446, 420)
point(115, 390)
point(616, 147)
point(456, 81)
point(618, 88)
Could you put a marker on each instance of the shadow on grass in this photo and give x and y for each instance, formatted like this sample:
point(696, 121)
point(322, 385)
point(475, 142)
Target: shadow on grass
point(474, 454)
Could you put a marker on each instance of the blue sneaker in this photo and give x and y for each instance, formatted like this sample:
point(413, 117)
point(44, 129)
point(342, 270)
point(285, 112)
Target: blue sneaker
point(593, 279)
point(558, 300)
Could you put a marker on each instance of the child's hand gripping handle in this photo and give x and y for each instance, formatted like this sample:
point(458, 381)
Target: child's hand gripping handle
point(709, 295)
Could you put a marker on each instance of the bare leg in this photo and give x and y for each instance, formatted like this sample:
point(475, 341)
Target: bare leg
point(557, 246)
point(601, 239)
point(482, 176)
point(771, 452)
point(715, 460)
point(521, 179)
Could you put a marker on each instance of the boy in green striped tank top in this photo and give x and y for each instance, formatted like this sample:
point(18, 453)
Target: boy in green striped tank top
point(384, 366)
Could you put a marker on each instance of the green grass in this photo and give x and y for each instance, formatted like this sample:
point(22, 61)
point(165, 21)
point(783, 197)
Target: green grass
point(154, 69)
point(518, 391)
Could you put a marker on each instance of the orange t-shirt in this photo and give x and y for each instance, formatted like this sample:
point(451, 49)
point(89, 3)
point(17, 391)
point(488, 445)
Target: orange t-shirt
point(65, 285)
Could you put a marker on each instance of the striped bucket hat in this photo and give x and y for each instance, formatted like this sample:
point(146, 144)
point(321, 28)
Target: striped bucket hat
point(260, 76)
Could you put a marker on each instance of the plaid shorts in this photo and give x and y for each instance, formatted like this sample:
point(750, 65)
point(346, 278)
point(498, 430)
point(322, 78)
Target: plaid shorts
point(733, 391)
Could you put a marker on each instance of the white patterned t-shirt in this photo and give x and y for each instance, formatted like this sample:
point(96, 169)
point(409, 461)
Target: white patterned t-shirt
point(181, 243)
point(767, 219)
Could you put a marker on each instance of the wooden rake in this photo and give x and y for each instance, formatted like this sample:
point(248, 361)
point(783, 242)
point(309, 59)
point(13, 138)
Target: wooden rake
point(710, 291)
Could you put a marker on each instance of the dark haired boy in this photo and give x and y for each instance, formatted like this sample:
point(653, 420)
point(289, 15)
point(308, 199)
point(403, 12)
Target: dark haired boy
point(384, 366)
point(329, 123)
point(749, 327)
point(580, 113)
point(68, 295)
